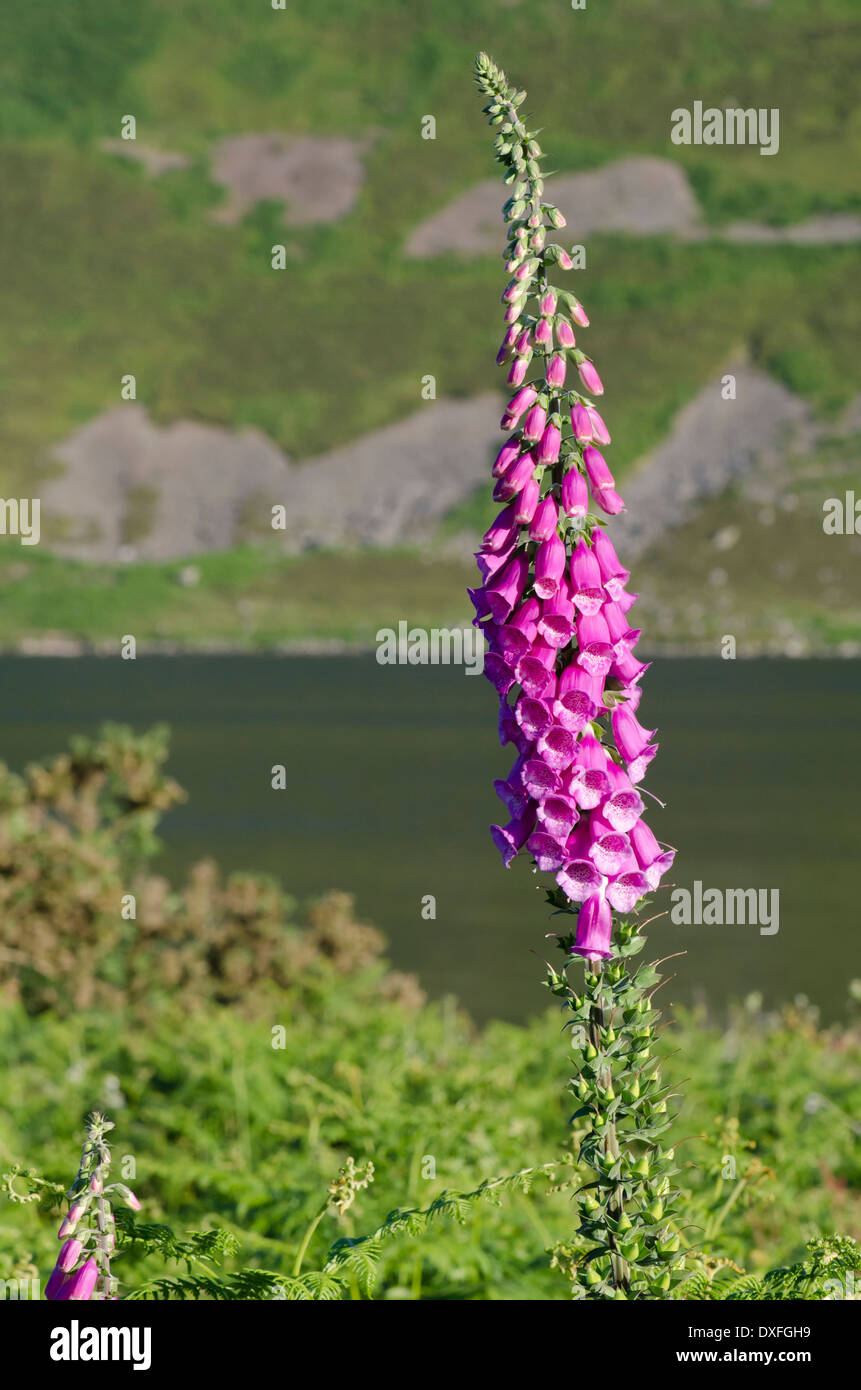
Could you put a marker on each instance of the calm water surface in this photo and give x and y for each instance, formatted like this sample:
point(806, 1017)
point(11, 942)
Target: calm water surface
point(390, 774)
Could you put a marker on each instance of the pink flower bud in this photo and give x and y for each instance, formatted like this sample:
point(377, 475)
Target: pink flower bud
point(516, 406)
point(590, 378)
point(549, 566)
point(56, 1280)
point(556, 371)
point(128, 1196)
point(601, 481)
point(565, 260)
point(505, 458)
point(519, 368)
point(547, 303)
point(533, 427)
point(600, 433)
point(526, 502)
point(491, 561)
point(545, 519)
point(68, 1256)
point(609, 501)
point(565, 334)
point(597, 468)
point(594, 928)
point(79, 1287)
point(575, 494)
point(581, 424)
point(579, 315)
point(515, 479)
point(631, 738)
point(610, 565)
point(548, 449)
point(502, 532)
point(543, 332)
point(70, 1220)
point(587, 588)
point(505, 588)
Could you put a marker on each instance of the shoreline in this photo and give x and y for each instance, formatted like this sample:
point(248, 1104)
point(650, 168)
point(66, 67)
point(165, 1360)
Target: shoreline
point(69, 648)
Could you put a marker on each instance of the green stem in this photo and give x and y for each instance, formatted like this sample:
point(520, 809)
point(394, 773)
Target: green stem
point(306, 1240)
point(599, 1018)
point(628, 1246)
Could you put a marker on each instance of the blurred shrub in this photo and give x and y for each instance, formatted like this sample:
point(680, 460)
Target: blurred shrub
point(75, 837)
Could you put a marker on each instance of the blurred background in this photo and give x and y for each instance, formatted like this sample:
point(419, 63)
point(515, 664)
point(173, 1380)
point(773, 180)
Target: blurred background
point(283, 291)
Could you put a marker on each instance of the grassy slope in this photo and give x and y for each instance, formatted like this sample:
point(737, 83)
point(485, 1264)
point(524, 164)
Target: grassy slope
point(118, 273)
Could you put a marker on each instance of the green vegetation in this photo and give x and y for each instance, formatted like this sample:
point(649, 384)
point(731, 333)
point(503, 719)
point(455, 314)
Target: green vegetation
point(116, 271)
point(253, 597)
point(762, 570)
point(247, 1049)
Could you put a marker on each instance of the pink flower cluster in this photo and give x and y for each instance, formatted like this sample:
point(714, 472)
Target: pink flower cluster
point(555, 610)
point(75, 1278)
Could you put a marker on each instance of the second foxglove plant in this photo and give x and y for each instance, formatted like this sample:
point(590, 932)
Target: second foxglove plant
point(554, 606)
point(87, 1231)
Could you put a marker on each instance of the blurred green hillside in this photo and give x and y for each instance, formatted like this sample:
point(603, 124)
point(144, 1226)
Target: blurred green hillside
point(114, 271)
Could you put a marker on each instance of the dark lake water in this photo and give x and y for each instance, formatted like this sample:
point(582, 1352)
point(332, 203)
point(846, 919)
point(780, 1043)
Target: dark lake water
point(389, 795)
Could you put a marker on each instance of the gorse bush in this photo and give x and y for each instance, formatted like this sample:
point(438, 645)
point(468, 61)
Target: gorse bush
point(86, 923)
